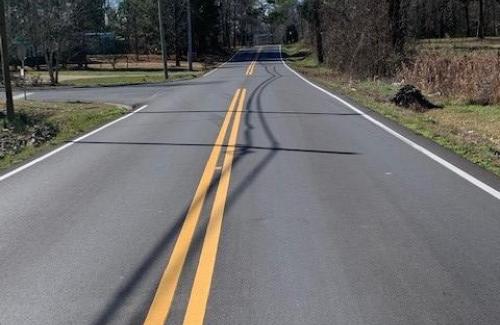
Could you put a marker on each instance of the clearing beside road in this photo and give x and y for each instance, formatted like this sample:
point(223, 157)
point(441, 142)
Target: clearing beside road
point(111, 78)
point(119, 70)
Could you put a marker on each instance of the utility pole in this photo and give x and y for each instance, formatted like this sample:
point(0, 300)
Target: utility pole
point(190, 36)
point(163, 40)
point(5, 61)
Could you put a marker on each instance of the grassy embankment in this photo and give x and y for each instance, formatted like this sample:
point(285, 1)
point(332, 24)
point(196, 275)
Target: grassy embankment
point(40, 126)
point(472, 131)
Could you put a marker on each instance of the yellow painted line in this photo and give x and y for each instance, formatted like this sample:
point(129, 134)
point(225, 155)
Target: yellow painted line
point(195, 312)
point(249, 69)
point(253, 68)
point(164, 295)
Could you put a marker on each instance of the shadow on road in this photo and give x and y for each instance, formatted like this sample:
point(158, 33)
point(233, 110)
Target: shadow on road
point(250, 112)
point(211, 145)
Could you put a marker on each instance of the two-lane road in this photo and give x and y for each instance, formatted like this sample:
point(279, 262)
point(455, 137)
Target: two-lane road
point(248, 197)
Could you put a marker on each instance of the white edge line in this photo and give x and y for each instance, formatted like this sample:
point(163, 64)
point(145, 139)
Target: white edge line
point(67, 145)
point(221, 65)
point(471, 179)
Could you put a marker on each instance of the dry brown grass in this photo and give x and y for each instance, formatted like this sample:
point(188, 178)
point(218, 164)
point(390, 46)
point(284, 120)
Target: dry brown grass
point(131, 62)
point(472, 78)
point(465, 44)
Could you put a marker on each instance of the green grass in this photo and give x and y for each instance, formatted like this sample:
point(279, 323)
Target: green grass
point(471, 131)
point(70, 119)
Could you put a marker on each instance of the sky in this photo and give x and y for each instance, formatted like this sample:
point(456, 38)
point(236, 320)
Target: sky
point(114, 3)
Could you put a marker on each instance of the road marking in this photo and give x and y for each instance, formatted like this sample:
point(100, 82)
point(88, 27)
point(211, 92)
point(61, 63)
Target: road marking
point(259, 50)
point(471, 179)
point(21, 96)
point(250, 69)
point(253, 68)
point(162, 301)
point(195, 312)
point(66, 146)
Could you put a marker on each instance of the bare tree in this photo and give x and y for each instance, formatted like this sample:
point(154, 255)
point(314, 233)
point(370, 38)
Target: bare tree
point(481, 22)
point(55, 17)
point(318, 31)
point(398, 33)
point(466, 4)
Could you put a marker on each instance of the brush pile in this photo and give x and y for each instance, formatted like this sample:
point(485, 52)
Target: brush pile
point(411, 97)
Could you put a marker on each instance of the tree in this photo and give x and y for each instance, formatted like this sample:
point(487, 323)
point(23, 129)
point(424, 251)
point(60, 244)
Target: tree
point(4, 53)
point(317, 30)
point(398, 33)
point(466, 4)
point(311, 11)
point(55, 17)
point(163, 39)
point(481, 22)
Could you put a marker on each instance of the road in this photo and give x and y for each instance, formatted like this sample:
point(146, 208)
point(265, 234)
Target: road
point(248, 197)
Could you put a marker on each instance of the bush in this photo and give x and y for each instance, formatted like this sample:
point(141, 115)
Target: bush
point(473, 78)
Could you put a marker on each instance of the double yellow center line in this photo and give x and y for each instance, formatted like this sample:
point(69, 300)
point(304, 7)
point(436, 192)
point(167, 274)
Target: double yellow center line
point(162, 301)
point(251, 68)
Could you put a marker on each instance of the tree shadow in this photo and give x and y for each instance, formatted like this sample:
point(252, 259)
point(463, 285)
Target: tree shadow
point(245, 148)
point(251, 112)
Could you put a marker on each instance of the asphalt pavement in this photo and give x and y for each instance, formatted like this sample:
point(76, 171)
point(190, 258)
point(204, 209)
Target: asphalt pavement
point(248, 196)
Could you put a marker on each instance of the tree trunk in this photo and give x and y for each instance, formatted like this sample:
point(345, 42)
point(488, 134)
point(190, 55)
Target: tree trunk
point(136, 39)
point(480, 27)
point(318, 31)
point(467, 18)
point(58, 61)
point(190, 36)
point(227, 30)
point(177, 47)
point(4, 49)
point(136, 47)
point(49, 57)
point(397, 27)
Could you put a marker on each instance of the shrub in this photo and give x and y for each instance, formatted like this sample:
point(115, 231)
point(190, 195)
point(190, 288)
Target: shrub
point(473, 77)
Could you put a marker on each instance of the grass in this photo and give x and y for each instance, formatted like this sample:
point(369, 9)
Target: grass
point(472, 131)
point(103, 72)
point(69, 119)
point(113, 78)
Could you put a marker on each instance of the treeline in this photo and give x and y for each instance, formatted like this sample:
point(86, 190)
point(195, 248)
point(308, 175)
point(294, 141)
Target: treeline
point(53, 30)
point(56, 32)
point(372, 38)
point(452, 18)
point(217, 25)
